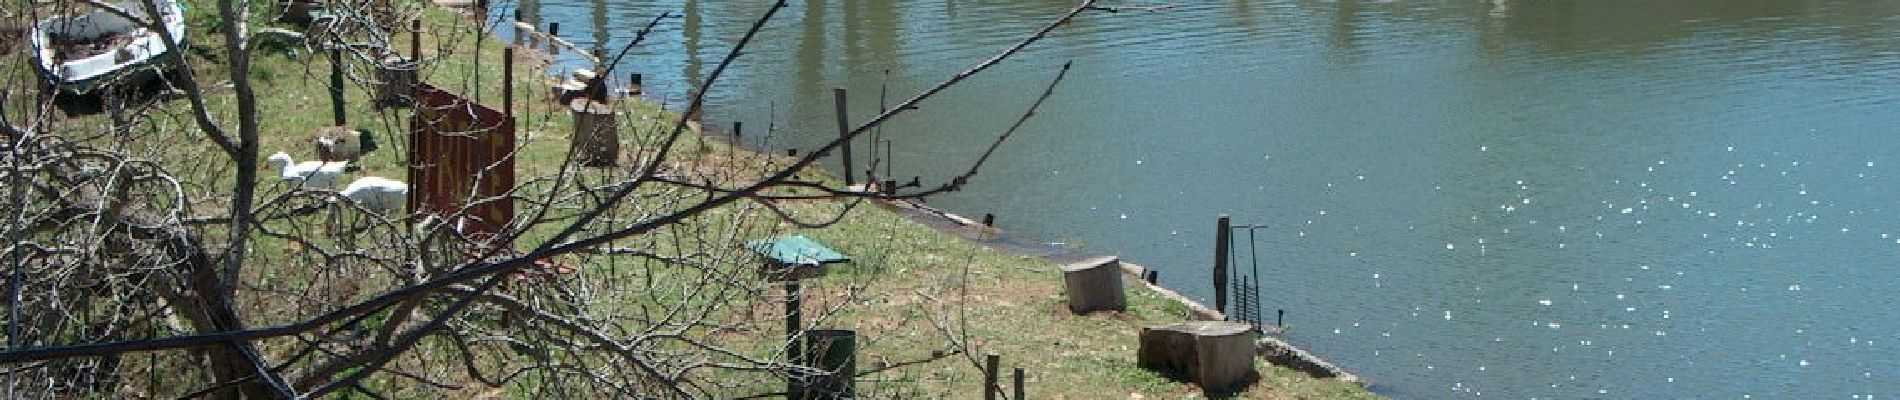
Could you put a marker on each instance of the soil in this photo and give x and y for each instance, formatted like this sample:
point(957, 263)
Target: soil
point(70, 48)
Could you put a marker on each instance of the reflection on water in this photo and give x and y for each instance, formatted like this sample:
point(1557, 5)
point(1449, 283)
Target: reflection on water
point(1608, 198)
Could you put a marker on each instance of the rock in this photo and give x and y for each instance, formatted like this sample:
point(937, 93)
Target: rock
point(1217, 355)
point(1094, 285)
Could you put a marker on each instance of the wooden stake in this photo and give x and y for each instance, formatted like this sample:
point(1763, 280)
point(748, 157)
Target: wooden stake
point(989, 375)
point(1222, 228)
point(844, 132)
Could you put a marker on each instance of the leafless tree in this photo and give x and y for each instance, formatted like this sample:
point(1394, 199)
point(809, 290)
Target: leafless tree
point(148, 256)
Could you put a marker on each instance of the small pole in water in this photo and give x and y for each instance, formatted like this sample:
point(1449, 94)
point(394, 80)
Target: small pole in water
point(844, 133)
point(1280, 319)
point(989, 220)
point(1222, 240)
point(1153, 277)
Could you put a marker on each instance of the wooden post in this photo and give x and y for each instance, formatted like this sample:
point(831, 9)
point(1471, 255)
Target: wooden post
point(635, 89)
point(844, 133)
point(508, 78)
point(1018, 393)
point(596, 140)
point(736, 131)
point(1222, 229)
point(415, 41)
point(336, 86)
point(989, 375)
point(989, 220)
point(1153, 277)
point(554, 38)
point(793, 312)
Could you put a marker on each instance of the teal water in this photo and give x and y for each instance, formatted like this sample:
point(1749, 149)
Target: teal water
point(1527, 199)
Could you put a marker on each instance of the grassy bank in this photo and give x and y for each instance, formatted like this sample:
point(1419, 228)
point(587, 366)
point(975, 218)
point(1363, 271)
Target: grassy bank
point(914, 293)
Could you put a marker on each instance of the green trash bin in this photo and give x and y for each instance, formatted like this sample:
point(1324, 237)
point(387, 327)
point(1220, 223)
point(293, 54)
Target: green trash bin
point(833, 352)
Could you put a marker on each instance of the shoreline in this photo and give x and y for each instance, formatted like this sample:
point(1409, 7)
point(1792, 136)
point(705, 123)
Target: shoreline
point(1268, 347)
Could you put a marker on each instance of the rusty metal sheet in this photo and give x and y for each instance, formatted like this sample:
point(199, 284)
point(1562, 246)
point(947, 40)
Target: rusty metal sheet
point(461, 155)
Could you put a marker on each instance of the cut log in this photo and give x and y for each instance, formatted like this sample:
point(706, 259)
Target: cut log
point(596, 140)
point(1217, 355)
point(1094, 285)
point(395, 82)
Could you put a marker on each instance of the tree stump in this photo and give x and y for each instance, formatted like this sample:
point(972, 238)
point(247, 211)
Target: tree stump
point(1217, 355)
point(395, 82)
point(596, 134)
point(1094, 285)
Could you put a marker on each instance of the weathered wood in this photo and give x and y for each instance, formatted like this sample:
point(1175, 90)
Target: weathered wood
point(395, 82)
point(596, 140)
point(1094, 285)
point(989, 375)
point(1217, 355)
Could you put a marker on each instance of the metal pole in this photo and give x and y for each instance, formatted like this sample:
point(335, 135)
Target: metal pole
point(844, 133)
point(1253, 251)
point(1222, 230)
point(870, 167)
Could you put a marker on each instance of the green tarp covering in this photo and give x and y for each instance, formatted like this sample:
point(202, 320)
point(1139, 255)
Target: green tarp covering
point(794, 250)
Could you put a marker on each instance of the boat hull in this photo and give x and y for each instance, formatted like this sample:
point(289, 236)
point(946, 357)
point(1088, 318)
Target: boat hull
point(87, 52)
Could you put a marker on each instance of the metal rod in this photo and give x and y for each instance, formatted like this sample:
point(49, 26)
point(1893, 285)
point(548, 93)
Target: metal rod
point(1253, 249)
point(877, 135)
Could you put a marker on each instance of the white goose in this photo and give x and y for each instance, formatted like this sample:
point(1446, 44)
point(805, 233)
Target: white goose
point(313, 174)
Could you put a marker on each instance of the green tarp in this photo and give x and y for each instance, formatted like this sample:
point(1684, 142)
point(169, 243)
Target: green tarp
point(795, 250)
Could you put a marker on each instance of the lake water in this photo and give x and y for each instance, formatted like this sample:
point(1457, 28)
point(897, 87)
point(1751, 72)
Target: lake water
point(1549, 199)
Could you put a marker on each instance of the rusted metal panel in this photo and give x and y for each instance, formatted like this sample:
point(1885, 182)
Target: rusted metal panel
point(461, 155)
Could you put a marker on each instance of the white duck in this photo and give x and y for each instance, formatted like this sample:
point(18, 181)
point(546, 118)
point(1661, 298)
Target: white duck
point(313, 174)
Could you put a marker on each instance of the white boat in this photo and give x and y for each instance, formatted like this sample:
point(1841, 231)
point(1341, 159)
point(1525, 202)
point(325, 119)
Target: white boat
point(84, 52)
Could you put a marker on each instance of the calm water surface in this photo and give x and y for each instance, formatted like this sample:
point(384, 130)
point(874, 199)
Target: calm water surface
point(1550, 199)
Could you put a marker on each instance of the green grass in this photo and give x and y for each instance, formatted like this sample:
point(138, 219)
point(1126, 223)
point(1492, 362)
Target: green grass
point(912, 291)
